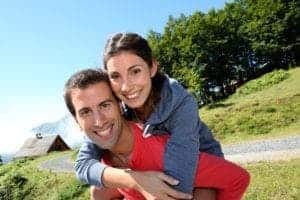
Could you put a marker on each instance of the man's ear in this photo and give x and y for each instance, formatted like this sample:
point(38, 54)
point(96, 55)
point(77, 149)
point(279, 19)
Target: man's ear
point(81, 129)
point(153, 69)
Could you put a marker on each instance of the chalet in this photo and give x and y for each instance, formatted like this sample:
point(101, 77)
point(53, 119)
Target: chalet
point(41, 145)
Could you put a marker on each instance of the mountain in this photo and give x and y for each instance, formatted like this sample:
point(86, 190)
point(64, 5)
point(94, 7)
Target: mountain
point(66, 127)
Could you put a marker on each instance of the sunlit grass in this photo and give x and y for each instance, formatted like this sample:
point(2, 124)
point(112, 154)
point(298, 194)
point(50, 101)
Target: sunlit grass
point(22, 179)
point(274, 180)
point(256, 114)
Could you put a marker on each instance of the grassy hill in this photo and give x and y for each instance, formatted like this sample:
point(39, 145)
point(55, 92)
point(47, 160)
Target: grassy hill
point(22, 179)
point(265, 107)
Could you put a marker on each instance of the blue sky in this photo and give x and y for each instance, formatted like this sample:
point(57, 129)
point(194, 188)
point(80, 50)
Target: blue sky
point(43, 42)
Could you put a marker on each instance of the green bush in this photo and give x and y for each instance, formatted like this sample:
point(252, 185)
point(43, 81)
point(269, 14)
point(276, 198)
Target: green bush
point(72, 190)
point(15, 186)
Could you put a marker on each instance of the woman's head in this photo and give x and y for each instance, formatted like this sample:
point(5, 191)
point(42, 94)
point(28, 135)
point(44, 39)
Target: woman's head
point(129, 42)
point(132, 70)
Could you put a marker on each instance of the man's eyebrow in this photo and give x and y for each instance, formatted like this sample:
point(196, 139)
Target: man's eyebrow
point(106, 101)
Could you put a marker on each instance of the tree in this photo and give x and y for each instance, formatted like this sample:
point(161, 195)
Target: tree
point(273, 28)
point(228, 45)
point(1, 161)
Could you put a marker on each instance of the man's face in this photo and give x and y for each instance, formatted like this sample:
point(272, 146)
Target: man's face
point(98, 114)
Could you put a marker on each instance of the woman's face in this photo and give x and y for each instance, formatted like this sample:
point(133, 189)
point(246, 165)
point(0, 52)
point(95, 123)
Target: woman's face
point(130, 78)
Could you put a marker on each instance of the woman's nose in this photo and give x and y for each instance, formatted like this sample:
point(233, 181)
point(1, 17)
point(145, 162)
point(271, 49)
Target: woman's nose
point(126, 84)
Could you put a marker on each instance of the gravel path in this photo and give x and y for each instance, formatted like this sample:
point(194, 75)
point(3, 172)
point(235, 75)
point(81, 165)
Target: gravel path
point(266, 150)
point(59, 164)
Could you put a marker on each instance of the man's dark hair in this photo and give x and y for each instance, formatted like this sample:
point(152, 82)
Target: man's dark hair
point(81, 80)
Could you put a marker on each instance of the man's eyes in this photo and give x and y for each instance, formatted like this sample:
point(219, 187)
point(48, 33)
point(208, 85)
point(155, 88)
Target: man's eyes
point(114, 76)
point(105, 105)
point(84, 113)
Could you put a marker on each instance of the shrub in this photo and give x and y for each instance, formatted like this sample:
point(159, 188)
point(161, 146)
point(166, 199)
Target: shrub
point(15, 186)
point(72, 190)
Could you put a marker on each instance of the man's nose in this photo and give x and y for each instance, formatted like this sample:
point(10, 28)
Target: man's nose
point(99, 118)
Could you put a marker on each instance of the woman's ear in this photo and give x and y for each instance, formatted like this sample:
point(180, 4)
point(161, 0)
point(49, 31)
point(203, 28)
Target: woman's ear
point(153, 69)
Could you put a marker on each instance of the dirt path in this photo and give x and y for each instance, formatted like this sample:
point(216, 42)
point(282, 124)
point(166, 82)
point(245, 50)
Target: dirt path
point(266, 150)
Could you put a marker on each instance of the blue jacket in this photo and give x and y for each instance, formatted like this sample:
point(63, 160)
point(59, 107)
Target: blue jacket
point(177, 114)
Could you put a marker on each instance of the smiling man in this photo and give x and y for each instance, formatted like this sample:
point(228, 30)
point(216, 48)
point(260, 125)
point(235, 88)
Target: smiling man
point(90, 100)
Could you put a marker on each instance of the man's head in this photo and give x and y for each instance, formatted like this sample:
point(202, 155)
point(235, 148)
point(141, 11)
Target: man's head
point(90, 100)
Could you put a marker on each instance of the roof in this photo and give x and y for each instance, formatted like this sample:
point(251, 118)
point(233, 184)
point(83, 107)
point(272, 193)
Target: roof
point(37, 146)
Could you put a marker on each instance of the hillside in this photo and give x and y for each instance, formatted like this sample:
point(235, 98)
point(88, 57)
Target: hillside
point(22, 179)
point(265, 107)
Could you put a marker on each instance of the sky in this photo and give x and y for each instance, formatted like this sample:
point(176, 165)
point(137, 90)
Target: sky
point(42, 43)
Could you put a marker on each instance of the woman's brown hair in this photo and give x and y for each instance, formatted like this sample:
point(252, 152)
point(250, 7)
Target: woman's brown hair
point(135, 44)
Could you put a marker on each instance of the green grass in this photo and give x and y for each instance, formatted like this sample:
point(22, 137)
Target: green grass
point(262, 108)
point(274, 180)
point(23, 180)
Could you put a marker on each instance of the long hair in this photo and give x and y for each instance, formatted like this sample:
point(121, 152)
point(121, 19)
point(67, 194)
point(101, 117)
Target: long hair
point(135, 44)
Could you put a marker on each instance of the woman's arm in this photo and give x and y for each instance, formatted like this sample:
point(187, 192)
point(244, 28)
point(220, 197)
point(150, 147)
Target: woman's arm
point(189, 135)
point(182, 149)
point(152, 184)
point(88, 167)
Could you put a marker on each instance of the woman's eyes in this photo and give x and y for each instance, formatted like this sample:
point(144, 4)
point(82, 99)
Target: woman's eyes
point(136, 71)
point(115, 76)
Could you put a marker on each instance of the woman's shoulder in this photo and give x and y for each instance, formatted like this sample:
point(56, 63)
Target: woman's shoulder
point(174, 88)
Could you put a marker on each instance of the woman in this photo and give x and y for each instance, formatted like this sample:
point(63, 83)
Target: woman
point(161, 104)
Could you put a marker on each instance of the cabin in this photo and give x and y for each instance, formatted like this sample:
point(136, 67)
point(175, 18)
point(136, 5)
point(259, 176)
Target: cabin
point(41, 145)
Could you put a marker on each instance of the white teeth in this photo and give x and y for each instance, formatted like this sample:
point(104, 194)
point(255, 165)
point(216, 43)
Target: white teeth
point(132, 96)
point(104, 132)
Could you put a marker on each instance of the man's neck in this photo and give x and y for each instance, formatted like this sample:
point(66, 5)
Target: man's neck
point(124, 146)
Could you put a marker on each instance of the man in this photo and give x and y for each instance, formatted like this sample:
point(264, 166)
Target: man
point(90, 100)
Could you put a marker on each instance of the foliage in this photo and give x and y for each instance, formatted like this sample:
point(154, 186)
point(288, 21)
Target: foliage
point(15, 186)
point(228, 46)
point(72, 190)
point(1, 161)
point(273, 28)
